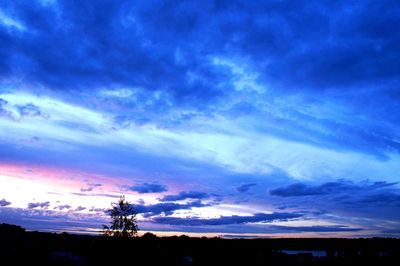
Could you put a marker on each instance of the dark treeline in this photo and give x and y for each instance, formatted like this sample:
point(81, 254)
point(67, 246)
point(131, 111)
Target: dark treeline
point(20, 247)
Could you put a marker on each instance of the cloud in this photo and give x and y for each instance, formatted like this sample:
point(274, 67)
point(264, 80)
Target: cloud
point(62, 207)
point(3, 111)
point(184, 67)
point(23, 110)
point(165, 208)
point(10, 23)
point(392, 232)
point(2, 102)
point(95, 194)
point(337, 228)
point(372, 200)
point(312, 88)
point(236, 28)
point(300, 189)
point(227, 220)
point(4, 203)
point(296, 190)
point(41, 205)
point(80, 208)
point(245, 187)
point(29, 109)
point(53, 221)
point(186, 195)
point(98, 210)
point(149, 188)
point(90, 187)
point(69, 64)
point(376, 199)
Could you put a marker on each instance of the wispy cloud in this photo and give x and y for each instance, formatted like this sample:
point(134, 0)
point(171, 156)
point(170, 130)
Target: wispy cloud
point(10, 22)
point(225, 220)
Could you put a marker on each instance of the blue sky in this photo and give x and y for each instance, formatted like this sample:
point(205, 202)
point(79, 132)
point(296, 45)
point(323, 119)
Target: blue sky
point(257, 118)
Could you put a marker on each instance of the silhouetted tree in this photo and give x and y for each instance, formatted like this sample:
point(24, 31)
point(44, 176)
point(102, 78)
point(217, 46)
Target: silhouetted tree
point(149, 235)
point(123, 223)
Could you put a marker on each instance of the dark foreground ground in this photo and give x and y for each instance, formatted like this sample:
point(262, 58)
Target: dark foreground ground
point(18, 247)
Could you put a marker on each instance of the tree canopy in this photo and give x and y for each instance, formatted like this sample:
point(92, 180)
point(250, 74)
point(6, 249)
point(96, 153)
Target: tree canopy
point(123, 220)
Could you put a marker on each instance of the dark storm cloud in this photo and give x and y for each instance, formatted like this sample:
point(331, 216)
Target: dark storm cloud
point(149, 188)
point(347, 49)
point(73, 45)
point(317, 45)
point(186, 195)
point(164, 45)
point(226, 220)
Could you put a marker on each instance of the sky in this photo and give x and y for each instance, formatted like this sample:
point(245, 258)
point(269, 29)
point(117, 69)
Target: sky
point(213, 118)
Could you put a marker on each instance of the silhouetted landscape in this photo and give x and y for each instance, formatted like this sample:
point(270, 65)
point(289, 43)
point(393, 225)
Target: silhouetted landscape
point(219, 132)
point(21, 247)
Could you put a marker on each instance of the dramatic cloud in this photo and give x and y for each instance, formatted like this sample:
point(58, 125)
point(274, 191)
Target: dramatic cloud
point(226, 220)
point(255, 106)
point(4, 203)
point(179, 30)
point(245, 187)
point(186, 195)
point(149, 188)
point(41, 205)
